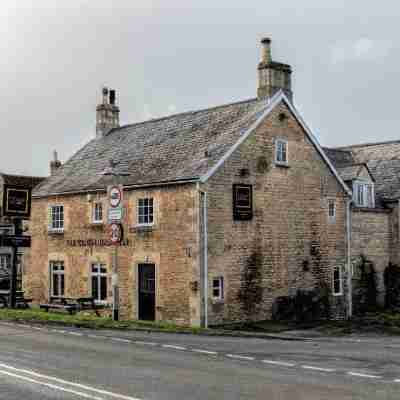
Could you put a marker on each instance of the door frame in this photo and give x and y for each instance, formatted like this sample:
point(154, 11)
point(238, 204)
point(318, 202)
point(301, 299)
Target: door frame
point(136, 296)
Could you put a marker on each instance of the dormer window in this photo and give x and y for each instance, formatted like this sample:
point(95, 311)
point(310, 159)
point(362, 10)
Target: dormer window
point(363, 194)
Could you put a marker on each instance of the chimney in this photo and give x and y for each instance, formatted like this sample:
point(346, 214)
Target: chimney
point(107, 113)
point(55, 164)
point(272, 76)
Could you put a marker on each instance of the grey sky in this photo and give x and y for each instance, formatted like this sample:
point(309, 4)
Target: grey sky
point(170, 56)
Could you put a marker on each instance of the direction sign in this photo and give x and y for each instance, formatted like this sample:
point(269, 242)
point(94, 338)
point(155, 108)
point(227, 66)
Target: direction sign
point(15, 241)
point(115, 233)
point(115, 196)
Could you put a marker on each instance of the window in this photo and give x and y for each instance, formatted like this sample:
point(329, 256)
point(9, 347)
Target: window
point(242, 202)
point(56, 222)
point(20, 270)
point(281, 156)
point(97, 215)
point(363, 194)
point(99, 282)
point(331, 210)
point(145, 211)
point(337, 281)
point(5, 269)
point(218, 288)
point(57, 283)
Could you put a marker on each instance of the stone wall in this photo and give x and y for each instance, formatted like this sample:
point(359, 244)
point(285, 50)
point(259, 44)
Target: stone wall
point(172, 245)
point(289, 244)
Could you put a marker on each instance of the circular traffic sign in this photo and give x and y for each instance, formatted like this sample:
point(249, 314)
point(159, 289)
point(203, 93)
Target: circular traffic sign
point(115, 233)
point(115, 196)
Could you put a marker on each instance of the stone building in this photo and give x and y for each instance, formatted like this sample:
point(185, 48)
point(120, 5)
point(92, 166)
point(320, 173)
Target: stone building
point(7, 228)
point(230, 212)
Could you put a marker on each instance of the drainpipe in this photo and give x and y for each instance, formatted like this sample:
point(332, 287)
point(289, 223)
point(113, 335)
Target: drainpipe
point(349, 275)
point(204, 266)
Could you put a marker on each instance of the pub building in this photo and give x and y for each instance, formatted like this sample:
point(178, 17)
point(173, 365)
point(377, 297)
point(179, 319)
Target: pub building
point(223, 212)
point(7, 228)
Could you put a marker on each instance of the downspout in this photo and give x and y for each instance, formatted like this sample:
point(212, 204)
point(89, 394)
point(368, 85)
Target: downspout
point(348, 262)
point(204, 264)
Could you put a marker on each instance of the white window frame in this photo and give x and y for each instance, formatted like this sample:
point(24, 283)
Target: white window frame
point(220, 287)
point(364, 186)
point(331, 218)
point(58, 272)
point(95, 214)
point(285, 143)
point(339, 269)
point(56, 227)
point(98, 275)
point(139, 214)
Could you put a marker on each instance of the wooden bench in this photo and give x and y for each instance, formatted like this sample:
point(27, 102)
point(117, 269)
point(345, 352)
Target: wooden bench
point(62, 304)
point(88, 303)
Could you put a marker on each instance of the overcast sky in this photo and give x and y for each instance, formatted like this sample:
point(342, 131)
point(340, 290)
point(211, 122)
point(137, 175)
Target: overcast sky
point(171, 56)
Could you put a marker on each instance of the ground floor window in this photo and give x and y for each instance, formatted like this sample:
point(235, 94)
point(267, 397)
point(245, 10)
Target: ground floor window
point(57, 281)
point(218, 288)
point(337, 281)
point(99, 282)
point(5, 268)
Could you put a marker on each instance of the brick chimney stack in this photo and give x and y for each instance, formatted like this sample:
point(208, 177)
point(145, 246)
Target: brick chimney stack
point(272, 76)
point(107, 113)
point(55, 164)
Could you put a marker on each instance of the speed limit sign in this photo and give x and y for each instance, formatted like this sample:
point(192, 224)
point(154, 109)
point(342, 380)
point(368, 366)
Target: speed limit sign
point(115, 196)
point(115, 233)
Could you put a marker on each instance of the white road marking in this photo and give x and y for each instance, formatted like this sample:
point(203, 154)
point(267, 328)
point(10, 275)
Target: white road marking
point(59, 331)
point(364, 375)
point(97, 336)
point(397, 380)
point(58, 380)
point(37, 328)
point(318, 368)
point(281, 363)
point(75, 333)
point(146, 343)
point(239, 357)
point(204, 351)
point(115, 339)
point(172, 346)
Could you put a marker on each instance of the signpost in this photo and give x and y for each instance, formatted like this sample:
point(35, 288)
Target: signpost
point(16, 204)
point(115, 214)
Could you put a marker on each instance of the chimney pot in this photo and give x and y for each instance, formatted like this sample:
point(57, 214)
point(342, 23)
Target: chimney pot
point(107, 113)
point(55, 164)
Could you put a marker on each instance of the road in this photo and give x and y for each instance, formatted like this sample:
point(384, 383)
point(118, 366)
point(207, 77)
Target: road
point(72, 364)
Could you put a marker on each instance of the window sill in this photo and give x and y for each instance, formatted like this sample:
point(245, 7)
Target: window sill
point(142, 228)
point(217, 301)
point(282, 164)
point(55, 231)
point(97, 223)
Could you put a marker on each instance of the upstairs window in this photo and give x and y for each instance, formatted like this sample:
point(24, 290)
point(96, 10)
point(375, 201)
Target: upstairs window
point(145, 211)
point(281, 153)
point(56, 222)
point(331, 210)
point(97, 214)
point(363, 194)
point(57, 282)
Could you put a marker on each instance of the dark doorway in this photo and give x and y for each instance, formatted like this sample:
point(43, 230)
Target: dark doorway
point(147, 292)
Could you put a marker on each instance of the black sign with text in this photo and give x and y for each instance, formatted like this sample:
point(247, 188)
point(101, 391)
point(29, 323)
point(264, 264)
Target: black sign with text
point(17, 201)
point(15, 241)
point(242, 202)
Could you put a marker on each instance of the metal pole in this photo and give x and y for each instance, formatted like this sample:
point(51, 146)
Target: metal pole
point(13, 280)
point(115, 289)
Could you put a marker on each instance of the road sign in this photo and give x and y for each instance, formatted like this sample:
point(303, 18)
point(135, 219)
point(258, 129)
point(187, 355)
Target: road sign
point(115, 196)
point(114, 215)
point(15, 241)
point(115, 233)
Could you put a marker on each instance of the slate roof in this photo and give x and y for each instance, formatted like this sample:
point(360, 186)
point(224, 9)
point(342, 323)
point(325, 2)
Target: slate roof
point(22, 180)
point(175, 148)
point(383, 161)
point(350, 172)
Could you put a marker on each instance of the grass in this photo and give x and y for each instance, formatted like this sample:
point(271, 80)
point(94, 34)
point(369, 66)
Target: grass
point(87, 320)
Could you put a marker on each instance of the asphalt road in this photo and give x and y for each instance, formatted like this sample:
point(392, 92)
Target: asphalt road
point(71, 364)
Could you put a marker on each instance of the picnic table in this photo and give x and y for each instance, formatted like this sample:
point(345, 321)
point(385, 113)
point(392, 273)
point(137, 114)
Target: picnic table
point(71, 304)
point(20, 300)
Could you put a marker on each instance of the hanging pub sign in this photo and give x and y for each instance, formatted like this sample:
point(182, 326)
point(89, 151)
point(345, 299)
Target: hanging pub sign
point(17, 201)
point(242, 202)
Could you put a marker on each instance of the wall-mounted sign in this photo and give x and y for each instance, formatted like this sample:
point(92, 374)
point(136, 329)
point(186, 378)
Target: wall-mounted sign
point(15, 241)
point(242, 202)
point(17, 201)
point(94, 242)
